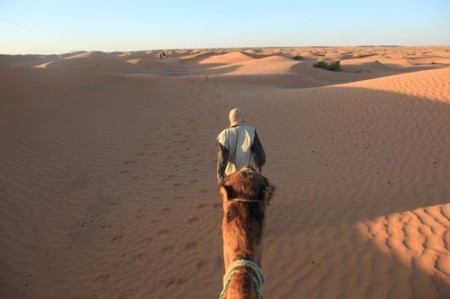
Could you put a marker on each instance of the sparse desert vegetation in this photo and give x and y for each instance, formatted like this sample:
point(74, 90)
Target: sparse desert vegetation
point(362, 55)
point(328, 65)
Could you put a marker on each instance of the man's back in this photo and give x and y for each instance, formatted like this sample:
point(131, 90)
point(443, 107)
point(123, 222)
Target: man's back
point(238, 141)
point(239, 146)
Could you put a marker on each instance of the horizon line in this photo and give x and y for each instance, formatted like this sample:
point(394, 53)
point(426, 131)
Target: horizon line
point(231, 48)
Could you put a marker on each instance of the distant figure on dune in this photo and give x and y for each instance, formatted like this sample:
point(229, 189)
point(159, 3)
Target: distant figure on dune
point(239, 147)
point(162, 55)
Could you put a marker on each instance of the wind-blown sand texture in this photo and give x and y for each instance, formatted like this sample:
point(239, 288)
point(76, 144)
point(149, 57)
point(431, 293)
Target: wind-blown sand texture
point(107, 171)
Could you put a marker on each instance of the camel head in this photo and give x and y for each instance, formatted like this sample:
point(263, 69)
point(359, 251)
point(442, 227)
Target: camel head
point(245, 196)
point(248, 185)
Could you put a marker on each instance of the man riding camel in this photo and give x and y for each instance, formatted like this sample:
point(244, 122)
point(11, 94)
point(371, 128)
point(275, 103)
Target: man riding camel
point(239, 147)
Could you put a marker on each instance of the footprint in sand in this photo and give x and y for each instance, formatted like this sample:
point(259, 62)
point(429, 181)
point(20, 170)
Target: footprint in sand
point(137, 257)
point(130, 293)
point(101, 277)
point(117, 239)
point(168, 249)
point(190, 245)
point(192, 220)
point(163, 232)
point(175, 282)
point(200, 265)
point(147, 240)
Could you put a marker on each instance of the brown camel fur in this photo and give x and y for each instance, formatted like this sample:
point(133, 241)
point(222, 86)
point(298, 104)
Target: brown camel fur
point(243, 226)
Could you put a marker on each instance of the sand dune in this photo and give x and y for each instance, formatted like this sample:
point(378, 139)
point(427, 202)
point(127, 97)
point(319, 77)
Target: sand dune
point(99, 62)
point(108, 189)
point(25, 60)
point(149, 63)
point(91, 54)
point(228, 58)
point(267, 65)
point(429, 60)
point(197, 56)
point(240, 64)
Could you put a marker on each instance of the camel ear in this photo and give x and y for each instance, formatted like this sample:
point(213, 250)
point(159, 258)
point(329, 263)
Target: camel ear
point(227, 192)
point(267, 193)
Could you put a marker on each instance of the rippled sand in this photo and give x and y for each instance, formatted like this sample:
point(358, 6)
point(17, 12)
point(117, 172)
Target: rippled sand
point(107, 181)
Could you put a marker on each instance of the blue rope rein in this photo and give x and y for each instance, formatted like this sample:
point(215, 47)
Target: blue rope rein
point(257, 276)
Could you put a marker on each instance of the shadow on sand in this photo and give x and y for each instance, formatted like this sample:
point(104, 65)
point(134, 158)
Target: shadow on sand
point(371, 156)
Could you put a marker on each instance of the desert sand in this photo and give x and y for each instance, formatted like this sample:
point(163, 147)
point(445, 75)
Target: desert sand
point(107, 171)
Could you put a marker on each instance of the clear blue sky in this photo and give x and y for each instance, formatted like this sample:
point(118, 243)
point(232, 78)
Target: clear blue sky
point(51, 26)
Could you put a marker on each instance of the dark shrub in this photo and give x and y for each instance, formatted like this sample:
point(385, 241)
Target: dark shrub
point(328, 65)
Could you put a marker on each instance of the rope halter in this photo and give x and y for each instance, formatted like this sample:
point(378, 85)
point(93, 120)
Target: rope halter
point(257, 276)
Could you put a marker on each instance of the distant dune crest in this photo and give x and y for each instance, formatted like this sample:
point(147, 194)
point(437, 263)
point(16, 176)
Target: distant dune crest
point(265, 61)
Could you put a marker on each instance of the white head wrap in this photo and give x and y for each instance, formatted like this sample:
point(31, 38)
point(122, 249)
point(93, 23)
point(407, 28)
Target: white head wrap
point(237, 117)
